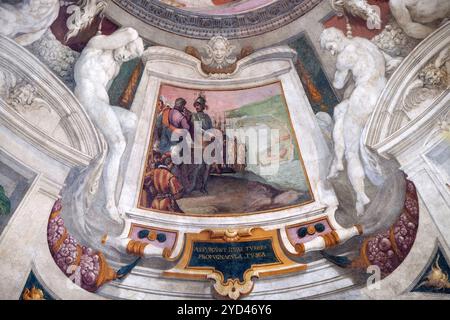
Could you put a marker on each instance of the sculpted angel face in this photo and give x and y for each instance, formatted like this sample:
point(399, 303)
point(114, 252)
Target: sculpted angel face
point(220, 51)
point(332, 40)
point(132, 50)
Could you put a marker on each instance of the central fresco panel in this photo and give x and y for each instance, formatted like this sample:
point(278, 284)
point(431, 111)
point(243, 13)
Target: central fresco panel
point(218, 141)
point(241, 156)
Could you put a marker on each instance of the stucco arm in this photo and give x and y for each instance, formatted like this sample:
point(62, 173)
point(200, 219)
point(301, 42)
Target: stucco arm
point(118, 39)
point(340, 78)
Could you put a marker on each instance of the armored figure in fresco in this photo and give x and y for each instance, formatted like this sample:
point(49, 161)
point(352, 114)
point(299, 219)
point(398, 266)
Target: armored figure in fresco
point(203, 121)
point(200, 115)
point(169, 122)
point(174, 124)
point(164, 186)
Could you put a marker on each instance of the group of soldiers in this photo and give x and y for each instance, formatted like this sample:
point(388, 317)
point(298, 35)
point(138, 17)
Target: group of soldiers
point(165, 182)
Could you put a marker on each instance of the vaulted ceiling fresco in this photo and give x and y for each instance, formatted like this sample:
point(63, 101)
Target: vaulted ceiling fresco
point(228, 149)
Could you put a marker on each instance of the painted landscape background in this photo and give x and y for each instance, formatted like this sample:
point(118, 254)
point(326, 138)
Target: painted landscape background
point(243, 189)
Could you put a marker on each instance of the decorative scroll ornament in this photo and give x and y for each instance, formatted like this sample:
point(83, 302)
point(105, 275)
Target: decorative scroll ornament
point(82, 15)
point(359, 8)
point(233, 259)
point(234, 288)
point(231, 235)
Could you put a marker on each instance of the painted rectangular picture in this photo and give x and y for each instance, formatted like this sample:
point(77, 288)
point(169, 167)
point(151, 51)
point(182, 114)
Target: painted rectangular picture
point(223, 152)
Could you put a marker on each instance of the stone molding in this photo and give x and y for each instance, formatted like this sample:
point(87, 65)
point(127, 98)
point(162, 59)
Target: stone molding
point(204, 26)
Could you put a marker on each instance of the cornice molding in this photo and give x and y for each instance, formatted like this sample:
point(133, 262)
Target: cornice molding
point(204, 26)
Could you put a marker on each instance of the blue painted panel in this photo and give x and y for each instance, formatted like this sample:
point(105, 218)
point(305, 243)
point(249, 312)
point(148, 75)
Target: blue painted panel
point(33, 282)
point(232, 259)
point(310, 70)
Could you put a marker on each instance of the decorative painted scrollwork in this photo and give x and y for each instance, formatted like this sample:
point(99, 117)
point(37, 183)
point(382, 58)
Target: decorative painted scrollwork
point(255, 253)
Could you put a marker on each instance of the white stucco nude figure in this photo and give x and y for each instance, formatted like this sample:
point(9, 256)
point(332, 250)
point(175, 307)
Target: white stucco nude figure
point(96, 68)
point(361, 59)
point(413, 15)
point(28, 20)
